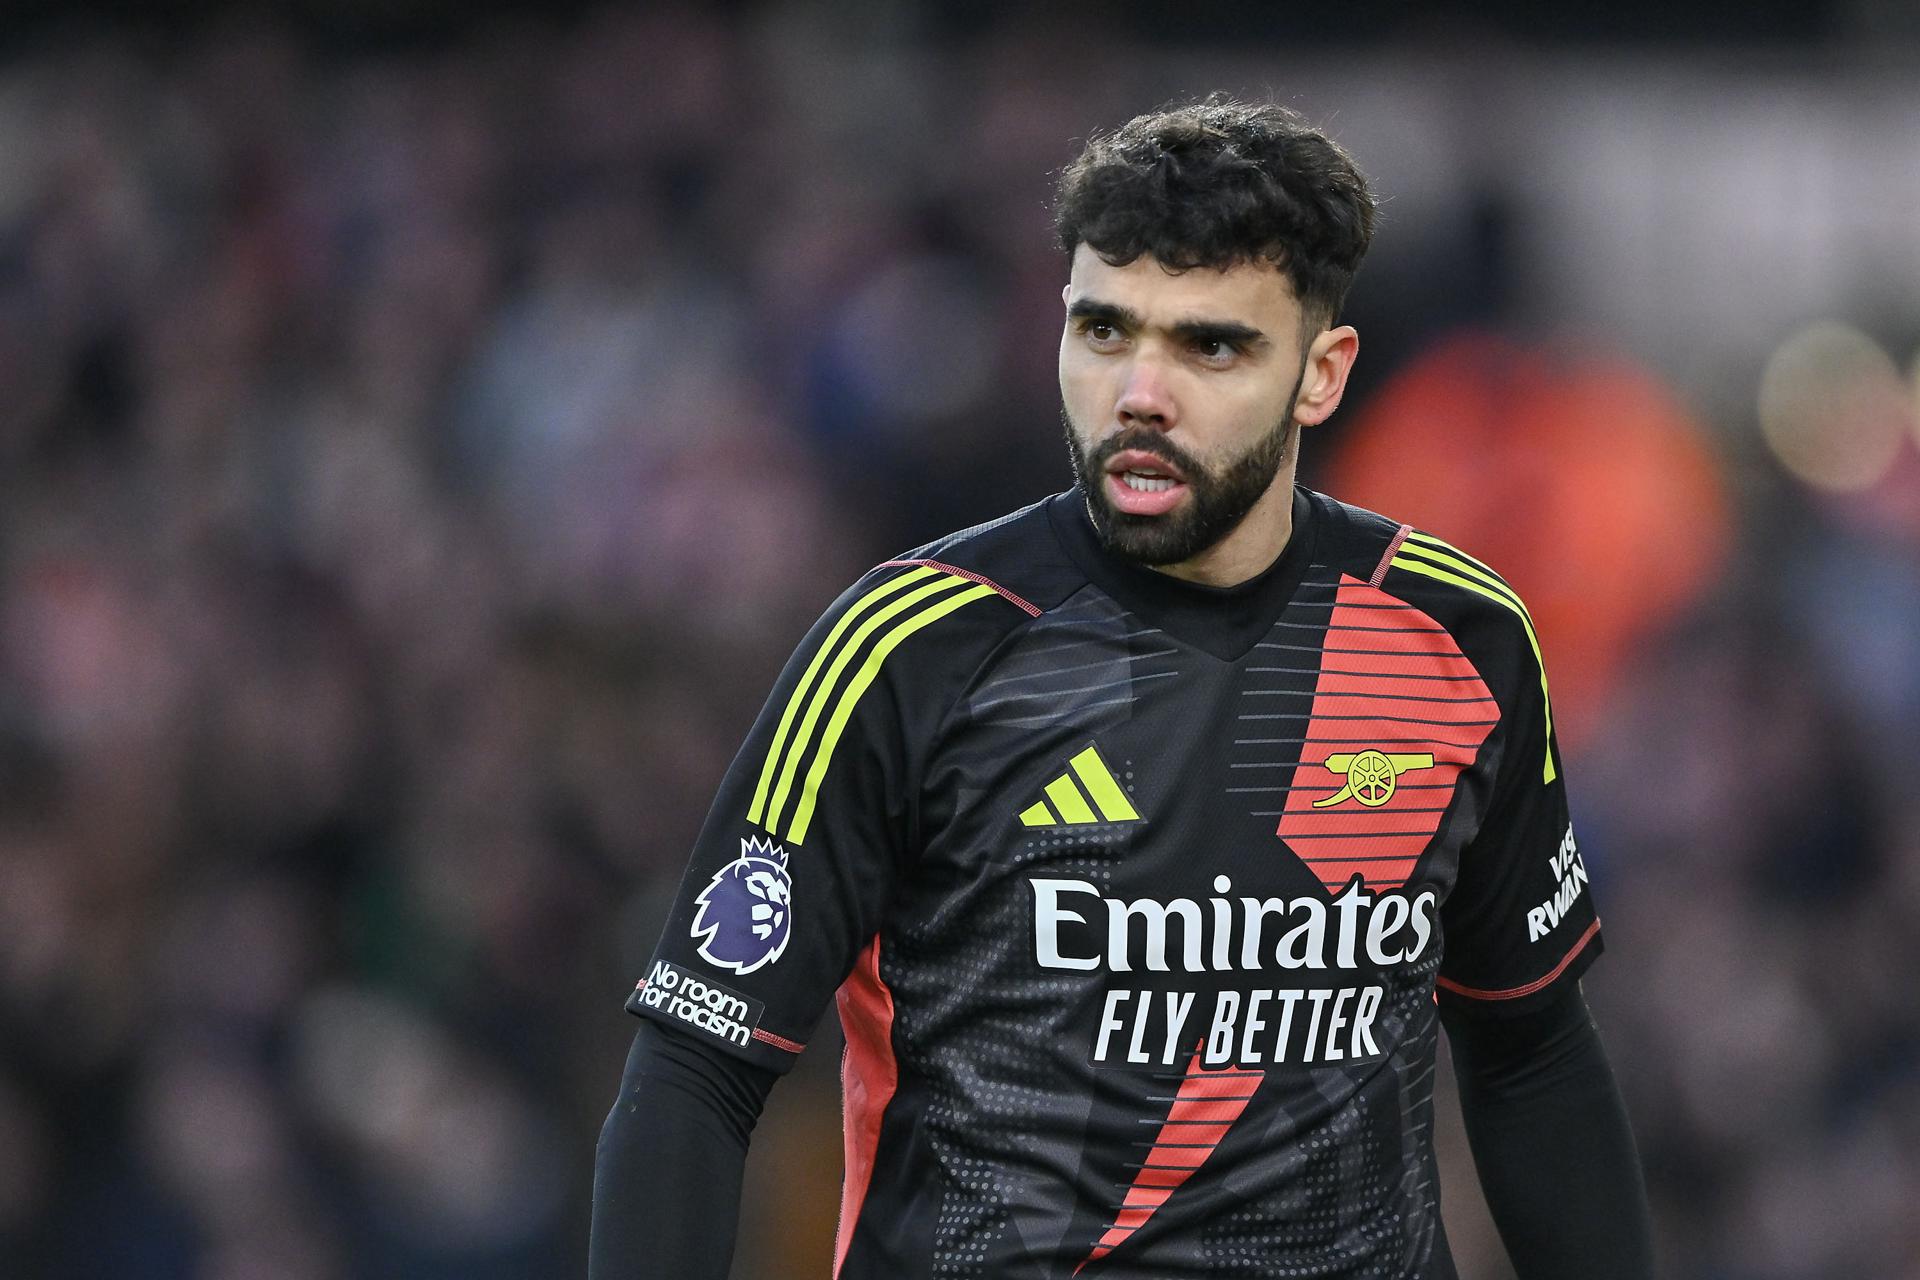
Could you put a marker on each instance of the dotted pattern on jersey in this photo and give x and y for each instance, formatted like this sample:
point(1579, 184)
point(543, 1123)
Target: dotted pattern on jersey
point(994, 1076)
point(1324, 1206)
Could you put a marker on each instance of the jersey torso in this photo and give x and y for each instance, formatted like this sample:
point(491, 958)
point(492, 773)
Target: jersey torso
point(1146, 936)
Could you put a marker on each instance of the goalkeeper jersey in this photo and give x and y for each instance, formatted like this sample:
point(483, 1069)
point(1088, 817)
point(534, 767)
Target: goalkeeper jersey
point(1136, 896)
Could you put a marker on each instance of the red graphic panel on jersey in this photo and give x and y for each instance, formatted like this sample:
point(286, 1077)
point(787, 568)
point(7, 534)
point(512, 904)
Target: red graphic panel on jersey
point(1398, 712)
point(869, 1074)
point(1205, 1107)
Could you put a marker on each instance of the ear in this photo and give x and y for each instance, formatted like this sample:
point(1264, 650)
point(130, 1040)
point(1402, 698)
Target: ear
point(1066, 291)
point(1329, 360)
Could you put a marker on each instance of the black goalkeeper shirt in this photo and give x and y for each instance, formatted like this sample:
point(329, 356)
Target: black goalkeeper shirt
point(1138, 896)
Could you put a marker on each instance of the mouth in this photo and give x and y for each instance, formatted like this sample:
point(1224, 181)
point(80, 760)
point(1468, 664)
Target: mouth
point(1144, 484)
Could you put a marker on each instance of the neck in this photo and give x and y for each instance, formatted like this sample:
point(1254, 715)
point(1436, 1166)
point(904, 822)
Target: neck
point(1250, 550)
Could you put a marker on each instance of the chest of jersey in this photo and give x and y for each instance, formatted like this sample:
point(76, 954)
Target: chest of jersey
point(1235, 861)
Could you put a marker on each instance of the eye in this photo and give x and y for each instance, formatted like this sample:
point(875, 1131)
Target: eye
point(1215, 351)
point(1102, 335)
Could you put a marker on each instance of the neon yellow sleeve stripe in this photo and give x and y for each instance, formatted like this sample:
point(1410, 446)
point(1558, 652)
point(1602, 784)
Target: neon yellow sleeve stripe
point(823, 692)
point(1445, 556)
point(879, 593)
point(1502, 598)
point(1099, 782)
point(1441, 544)
point(823, 754)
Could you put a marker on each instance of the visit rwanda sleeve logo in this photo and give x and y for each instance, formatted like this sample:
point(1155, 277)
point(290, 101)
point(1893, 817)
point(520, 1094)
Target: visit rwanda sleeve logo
point(746, 909)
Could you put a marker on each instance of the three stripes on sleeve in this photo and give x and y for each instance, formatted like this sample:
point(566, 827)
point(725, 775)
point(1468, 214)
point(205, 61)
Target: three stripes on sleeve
point(841, 671)
point(1429, 557)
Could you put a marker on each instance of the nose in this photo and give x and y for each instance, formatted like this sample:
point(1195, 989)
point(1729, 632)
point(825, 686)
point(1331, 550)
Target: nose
point(1146, 398)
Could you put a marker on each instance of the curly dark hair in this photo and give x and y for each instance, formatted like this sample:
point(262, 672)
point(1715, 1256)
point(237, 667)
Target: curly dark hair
point(1217, 183)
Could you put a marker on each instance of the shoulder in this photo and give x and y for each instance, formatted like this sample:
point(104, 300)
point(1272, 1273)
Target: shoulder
point(1478, 609)
point(962, 595)
point(1464, 592)
point(1461, 591)
point(1014, 565)
point(1019, 556)
point(1450, 587)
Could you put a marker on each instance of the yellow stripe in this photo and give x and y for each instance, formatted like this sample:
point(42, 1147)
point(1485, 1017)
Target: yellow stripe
point(806, 681)
point(1037, 815)
point(1415, 535)
point(1459, 561)
point(1431, 571)
point(1099, 782)
point(823, 755)
point(790, 769)
point(1067, 799)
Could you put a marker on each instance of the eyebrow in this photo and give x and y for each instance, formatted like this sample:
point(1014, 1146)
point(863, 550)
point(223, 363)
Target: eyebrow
point(1244, 336)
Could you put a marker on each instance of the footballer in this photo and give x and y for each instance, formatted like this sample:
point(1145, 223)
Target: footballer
point(1145, 838)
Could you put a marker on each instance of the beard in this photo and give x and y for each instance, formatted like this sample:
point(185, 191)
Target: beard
point(1218, 498)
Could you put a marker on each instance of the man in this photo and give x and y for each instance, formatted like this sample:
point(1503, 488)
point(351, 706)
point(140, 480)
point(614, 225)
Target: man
point(1147, 833)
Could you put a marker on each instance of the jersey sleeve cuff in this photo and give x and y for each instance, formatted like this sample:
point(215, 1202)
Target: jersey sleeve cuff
point(1509, 1001)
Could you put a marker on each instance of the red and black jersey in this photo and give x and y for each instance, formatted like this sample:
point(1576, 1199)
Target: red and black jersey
point(1137, 896)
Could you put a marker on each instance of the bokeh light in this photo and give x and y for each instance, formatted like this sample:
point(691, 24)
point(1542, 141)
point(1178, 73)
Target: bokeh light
point(1833, 409)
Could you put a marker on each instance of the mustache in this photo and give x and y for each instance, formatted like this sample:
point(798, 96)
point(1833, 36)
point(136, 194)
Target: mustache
point(1144, 440)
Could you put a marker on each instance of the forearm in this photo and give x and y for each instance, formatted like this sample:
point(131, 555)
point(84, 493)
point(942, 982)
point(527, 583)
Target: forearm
point(1551, 1141)
point(666, 1176)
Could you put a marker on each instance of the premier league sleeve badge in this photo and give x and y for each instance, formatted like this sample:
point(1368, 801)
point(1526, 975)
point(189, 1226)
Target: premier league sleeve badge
point(745, 911)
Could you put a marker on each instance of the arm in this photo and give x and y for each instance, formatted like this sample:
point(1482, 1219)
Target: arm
point(666, 1175)
point(1548, 1132)
point(788, 881)
point(1551, 1142)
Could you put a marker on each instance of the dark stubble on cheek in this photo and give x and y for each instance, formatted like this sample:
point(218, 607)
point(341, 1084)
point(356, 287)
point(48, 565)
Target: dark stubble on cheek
point(1216, 502)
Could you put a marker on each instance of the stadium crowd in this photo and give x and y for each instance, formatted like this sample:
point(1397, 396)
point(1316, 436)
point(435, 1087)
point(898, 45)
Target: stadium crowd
point(415, 467)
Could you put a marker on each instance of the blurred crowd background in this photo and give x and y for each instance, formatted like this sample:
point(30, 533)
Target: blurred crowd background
point(423, 436)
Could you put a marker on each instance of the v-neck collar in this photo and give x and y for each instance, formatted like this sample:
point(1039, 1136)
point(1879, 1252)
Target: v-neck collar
point(1223, 621)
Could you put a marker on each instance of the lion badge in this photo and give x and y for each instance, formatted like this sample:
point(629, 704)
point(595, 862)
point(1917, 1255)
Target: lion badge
point(745, 910)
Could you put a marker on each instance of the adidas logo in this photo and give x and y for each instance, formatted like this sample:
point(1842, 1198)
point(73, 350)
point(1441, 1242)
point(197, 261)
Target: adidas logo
point(1094, 797)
